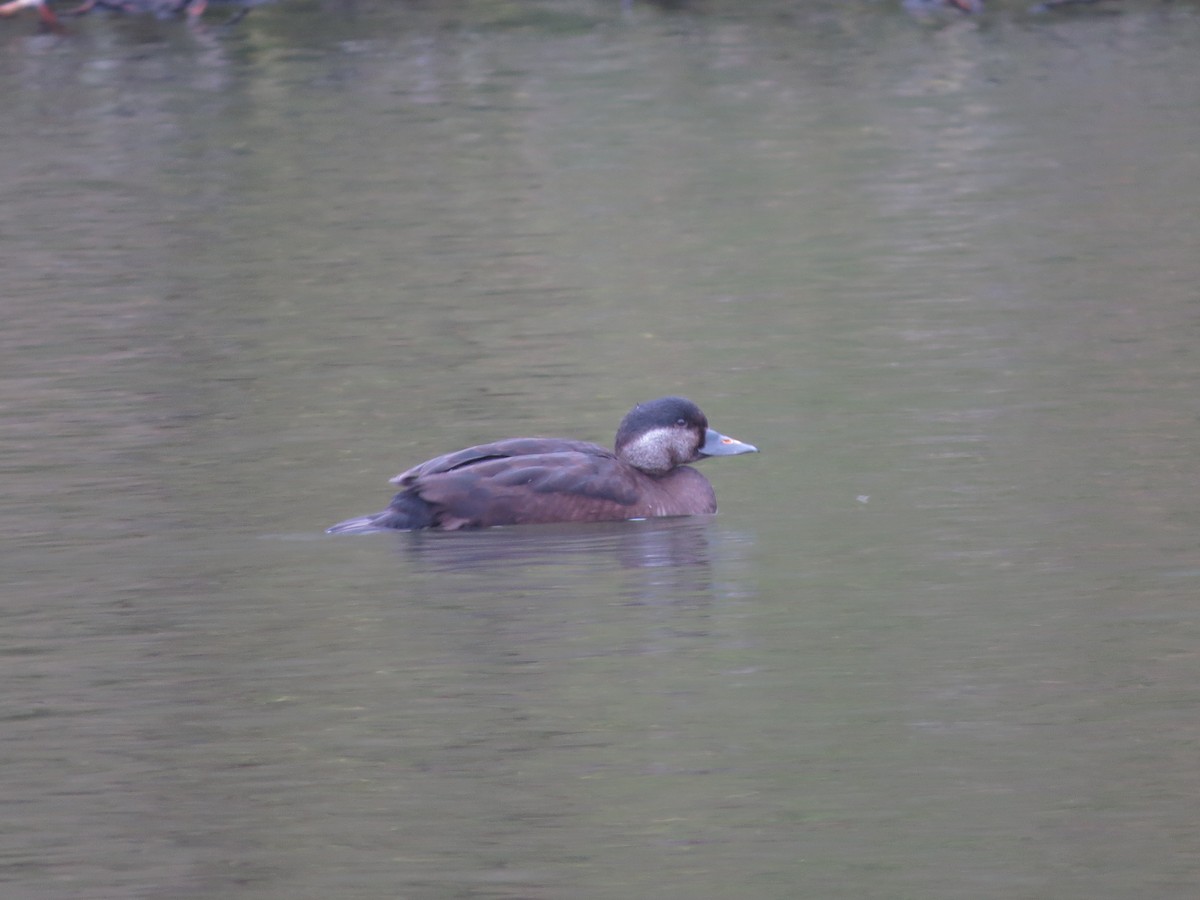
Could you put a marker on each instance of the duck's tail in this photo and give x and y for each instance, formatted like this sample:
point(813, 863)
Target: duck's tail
point(407, 512)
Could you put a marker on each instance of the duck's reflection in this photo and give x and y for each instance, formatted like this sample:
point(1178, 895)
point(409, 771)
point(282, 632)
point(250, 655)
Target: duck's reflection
point(672, 558)
point(636, 544)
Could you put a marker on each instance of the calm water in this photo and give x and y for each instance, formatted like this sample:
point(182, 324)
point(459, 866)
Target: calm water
point(939, 643)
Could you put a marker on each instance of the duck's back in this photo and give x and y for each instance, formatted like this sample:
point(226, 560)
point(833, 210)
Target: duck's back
point(510, 448)
point(525, 481)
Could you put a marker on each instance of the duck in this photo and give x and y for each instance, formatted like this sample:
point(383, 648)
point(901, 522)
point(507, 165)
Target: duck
point(539, 480)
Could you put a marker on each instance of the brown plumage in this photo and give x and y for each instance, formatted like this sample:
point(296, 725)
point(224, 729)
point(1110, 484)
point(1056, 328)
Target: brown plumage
point(524, 481)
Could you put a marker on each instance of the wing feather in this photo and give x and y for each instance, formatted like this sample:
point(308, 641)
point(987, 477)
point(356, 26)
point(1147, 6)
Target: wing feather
point(505, 449)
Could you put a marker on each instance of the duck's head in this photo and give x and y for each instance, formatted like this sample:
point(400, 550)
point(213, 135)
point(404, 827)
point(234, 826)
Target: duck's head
point(658, 435)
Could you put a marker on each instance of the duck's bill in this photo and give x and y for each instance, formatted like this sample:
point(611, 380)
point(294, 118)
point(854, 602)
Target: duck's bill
point(717, 444)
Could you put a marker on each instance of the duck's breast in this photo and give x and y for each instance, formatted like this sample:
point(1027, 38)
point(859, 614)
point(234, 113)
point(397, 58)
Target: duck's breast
point(681, 492)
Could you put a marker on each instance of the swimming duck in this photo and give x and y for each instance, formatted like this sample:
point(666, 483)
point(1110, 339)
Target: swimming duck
point(523, 481)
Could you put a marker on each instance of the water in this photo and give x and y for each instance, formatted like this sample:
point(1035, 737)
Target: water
point(939, 642)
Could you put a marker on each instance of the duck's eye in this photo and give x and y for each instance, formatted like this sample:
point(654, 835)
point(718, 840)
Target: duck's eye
point(681, 421)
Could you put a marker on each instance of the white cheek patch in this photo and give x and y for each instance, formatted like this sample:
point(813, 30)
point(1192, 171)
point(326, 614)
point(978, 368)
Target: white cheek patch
point(652, 451)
